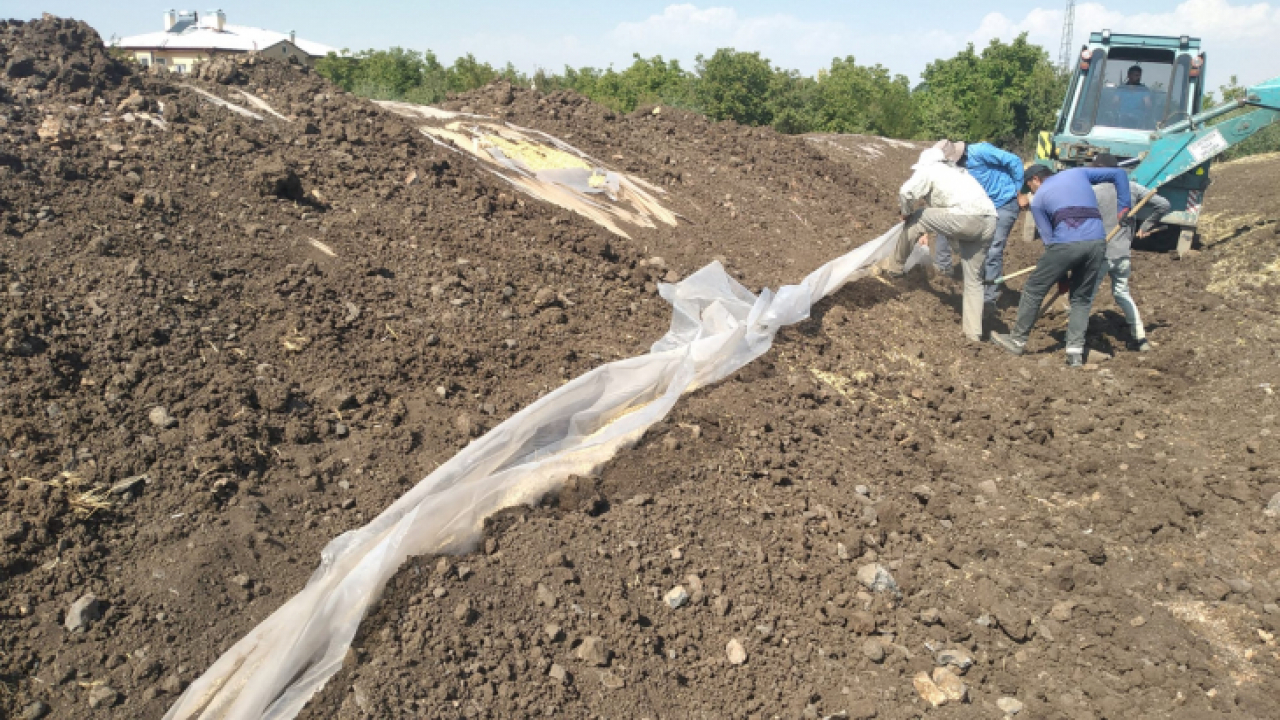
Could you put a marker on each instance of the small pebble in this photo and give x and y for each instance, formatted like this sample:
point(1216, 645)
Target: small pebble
point(1010, 706)
point(873, 650)
point(736, 652)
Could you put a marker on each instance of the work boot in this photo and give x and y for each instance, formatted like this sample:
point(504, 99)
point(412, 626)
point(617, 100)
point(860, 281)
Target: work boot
point(1139, 345)
point(1008, 343)
point(1075, 360)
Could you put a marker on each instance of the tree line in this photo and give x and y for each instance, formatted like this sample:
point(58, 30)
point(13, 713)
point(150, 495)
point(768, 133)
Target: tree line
point(1005, 92)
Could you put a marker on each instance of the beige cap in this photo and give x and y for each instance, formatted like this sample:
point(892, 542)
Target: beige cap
point(952, 151)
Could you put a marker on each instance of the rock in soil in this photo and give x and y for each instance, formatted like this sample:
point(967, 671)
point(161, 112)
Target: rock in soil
point(928, 690)
point(736, 653)
point(593, 651)
point(876, 578)
point(1009, 706)
point(676, 597)
point(103, 696)
point(82, 613)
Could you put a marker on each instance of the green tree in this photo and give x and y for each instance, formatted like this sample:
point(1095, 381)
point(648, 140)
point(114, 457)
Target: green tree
point(734, 85)
point(387, 74)
point(853, 98)
point(1007, 93)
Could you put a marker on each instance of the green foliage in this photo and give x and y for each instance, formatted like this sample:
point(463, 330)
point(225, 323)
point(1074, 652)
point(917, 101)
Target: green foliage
point(852, 98)
point(1006, 93)
point(734, 85)
point(399, 74)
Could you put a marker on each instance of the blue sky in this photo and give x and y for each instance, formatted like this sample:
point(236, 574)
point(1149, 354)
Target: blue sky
point(798, 34)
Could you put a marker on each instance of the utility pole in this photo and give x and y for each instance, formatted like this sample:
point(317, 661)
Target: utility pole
point(1065, 52)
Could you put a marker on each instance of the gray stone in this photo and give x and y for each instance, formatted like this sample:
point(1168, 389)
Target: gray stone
point(360, 696)
point(951, 685)
point(103, 696)
point(676, 597)
point(842, 552)
point(1239, 585)
point(736, 652)
point(35, 711)
point(1273, 506)
point(172, 684)
point(931, 616)
point(1062, 610)
point(1009, 706)
point(611, 681)
point(876, 578)
point(593, 651)
point(558, 673)
point(83, 612)
point(989, 488)
point(544, 596)
point(862, 490)
point(160, 417)
point(873, 650)
point(956, 658)
point(465, 613)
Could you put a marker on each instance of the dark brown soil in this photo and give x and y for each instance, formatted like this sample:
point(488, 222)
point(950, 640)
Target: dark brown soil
point(1095, 540)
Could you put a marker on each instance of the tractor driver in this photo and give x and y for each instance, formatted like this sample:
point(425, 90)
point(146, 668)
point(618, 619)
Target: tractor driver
point(1134, 102)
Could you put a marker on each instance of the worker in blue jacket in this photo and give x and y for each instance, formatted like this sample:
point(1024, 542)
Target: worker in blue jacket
point(1000, 175)
point(1066, 214)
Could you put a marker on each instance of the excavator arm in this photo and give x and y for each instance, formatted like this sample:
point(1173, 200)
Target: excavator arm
point(1181, 147)
point(1184, 146)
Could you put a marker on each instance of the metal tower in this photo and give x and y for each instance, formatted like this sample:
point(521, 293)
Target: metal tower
point(1065, 51)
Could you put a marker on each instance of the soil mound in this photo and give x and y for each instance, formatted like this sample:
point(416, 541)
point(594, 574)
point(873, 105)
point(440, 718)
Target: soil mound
point(246, 311)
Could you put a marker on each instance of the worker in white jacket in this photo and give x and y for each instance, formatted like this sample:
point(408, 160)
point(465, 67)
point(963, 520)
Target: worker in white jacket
point(955, 206)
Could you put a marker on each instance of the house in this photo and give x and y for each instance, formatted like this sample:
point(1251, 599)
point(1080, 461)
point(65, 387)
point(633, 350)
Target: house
point(189, 37)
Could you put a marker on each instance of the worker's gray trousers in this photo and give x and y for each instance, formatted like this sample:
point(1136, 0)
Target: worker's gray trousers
point(973, 234)
point(1083, 262)
point(1006, 218)
point(1119, 270)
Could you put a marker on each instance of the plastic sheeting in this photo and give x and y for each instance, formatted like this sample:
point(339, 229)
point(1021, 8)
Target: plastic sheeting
point(717, 327)
point(544, 167)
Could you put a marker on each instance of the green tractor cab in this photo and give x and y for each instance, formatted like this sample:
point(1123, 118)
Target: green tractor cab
point(1124, 91)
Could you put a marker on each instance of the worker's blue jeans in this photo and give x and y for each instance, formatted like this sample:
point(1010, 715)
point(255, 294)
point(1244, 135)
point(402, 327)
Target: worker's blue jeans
point(1006, 216)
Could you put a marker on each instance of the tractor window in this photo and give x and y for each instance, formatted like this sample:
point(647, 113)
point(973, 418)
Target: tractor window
point(1087, 105)
point(1140, 89)
point(1133, 89)
point(1180, 95)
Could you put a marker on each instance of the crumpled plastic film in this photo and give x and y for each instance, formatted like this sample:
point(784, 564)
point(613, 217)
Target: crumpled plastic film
point(717, 327)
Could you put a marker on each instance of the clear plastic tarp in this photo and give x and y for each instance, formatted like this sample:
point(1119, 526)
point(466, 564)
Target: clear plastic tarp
point(717, 327)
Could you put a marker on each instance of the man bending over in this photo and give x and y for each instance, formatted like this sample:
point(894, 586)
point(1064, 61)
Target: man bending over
point(1067, 216)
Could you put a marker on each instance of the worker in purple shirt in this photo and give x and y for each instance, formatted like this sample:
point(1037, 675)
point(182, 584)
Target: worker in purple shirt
point(1066, 213)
